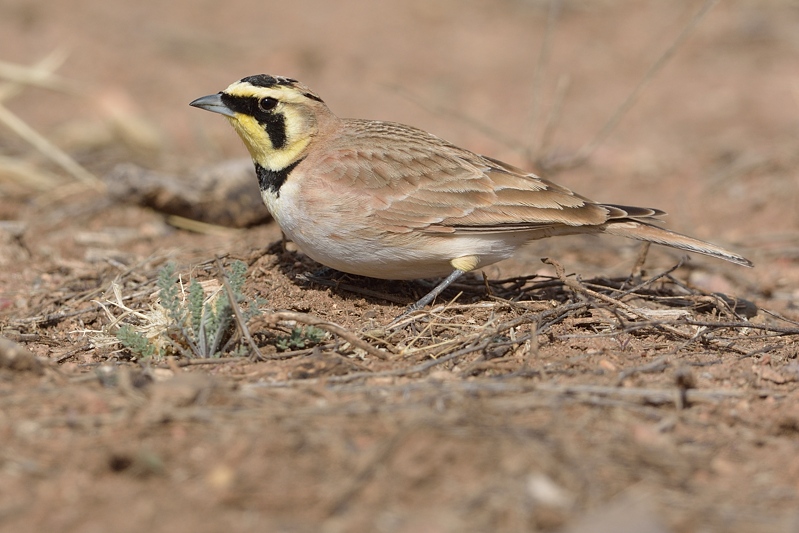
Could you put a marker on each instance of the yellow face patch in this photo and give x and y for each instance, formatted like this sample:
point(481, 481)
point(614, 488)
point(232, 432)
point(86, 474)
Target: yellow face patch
point(290, 121)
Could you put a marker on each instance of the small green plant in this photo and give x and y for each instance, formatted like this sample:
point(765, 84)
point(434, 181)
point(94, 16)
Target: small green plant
point(136, 342)
point(198, 326)
point(300, 337)
point(169, 292)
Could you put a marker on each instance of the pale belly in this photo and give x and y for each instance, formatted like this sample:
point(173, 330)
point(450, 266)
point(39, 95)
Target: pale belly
point(341, 243)
point(410, 257)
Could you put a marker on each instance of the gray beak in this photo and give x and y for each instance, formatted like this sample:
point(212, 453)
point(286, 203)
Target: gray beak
point(213, 103)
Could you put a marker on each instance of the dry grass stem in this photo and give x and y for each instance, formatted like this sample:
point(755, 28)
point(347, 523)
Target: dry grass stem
point(42, 70)
point(37, 76)
point(544, 54)
point(201, 227)
point(27, 174)
point(48, 149)
point(240, 322)
point(588, 149)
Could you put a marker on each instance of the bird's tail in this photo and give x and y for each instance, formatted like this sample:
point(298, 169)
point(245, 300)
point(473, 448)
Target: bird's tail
point(642, 231)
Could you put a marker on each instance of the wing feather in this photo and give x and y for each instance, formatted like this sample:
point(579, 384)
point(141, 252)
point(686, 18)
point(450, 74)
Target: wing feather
point(412, 181)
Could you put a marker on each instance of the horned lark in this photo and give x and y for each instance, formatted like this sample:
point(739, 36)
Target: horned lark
point(390, 201)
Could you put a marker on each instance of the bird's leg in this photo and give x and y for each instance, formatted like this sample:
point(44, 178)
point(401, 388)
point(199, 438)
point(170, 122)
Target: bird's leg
point(460, 265)
point(325, 272)
point(430, 296)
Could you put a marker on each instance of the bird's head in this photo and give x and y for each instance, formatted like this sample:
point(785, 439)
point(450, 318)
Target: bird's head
point(276, 117)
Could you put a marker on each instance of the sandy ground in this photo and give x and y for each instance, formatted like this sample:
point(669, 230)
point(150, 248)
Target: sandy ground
point(538, 406)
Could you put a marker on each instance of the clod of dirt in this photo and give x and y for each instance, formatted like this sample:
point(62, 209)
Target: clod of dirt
point(140, 464)
point(627, 513)
point(15, 357)
point(11, 250)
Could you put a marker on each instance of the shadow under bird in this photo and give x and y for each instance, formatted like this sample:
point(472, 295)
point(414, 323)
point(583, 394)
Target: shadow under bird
point(390, 201)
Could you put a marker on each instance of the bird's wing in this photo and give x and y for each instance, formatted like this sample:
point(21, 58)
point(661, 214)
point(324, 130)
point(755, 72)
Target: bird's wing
point(417, 183)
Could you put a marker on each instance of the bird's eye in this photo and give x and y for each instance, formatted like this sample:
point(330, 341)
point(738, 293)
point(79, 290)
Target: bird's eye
point(267, 104)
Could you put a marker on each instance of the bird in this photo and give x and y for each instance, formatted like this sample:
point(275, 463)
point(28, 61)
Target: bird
point(390, 201)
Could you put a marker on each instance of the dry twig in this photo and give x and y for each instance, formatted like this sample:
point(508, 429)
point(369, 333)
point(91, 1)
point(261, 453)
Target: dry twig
point(631, 311)
point(310, 320)
point(234, 305)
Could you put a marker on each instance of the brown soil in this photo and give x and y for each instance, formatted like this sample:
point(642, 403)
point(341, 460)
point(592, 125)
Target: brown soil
point(542, 406)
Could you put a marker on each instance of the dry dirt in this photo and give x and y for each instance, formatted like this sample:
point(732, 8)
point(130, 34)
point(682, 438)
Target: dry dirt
point(529, 404)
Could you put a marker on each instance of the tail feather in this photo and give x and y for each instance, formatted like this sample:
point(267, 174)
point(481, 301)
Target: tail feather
point(642, 231)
